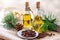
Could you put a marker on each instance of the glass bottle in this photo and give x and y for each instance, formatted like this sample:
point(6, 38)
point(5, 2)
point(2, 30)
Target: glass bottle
point(27, 17)
point(38, 19)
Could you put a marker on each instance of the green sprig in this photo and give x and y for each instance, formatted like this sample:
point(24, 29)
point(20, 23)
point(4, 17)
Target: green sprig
point(9, 20)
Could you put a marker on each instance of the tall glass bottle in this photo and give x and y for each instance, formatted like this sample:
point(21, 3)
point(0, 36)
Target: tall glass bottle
point(27, 17)
point(38, 19)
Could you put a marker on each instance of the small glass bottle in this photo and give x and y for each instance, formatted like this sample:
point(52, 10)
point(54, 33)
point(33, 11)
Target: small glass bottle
point(27, 17)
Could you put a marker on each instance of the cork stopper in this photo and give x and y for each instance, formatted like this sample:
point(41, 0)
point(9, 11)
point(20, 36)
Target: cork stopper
point(37, 4)
point(27, 8)
point(26, 4)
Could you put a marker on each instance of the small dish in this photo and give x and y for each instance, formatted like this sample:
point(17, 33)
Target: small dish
point(20, 34)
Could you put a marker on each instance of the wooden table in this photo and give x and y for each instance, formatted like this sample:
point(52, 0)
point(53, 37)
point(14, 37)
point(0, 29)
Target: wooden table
point(12, 35)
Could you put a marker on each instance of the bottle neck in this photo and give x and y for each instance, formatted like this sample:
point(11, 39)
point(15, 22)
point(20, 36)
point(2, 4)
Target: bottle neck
point(27, 9)
point(38, 11)
point(27, 12)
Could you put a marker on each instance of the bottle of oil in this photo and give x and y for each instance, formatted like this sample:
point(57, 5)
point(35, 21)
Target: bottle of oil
point(27, 17)
point(38, 19)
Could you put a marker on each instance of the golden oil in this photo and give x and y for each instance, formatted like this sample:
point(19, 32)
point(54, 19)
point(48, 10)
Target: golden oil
point(27, 21)
point(37, 23)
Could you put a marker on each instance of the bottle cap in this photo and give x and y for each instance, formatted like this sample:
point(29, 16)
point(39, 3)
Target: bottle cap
point(37, 4)
point(26, 4)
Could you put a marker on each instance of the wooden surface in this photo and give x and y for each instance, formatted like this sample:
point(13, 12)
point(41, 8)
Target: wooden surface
point(3, 38)
point(12, 35)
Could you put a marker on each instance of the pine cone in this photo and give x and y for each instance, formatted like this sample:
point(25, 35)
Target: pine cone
point(19, 26)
